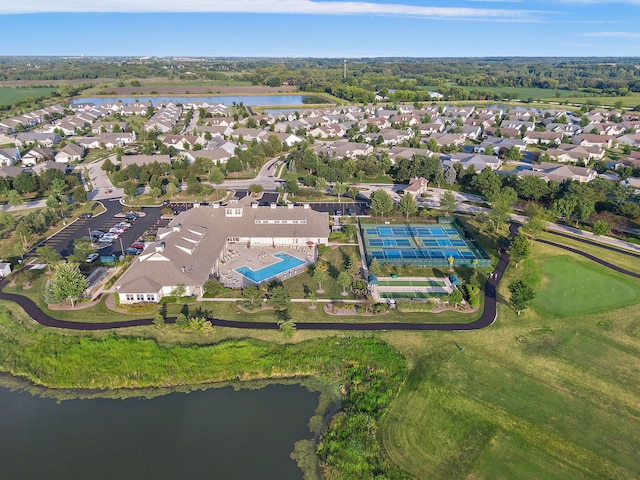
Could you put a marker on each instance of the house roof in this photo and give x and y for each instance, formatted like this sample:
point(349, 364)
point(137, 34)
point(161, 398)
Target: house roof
point(144, 160)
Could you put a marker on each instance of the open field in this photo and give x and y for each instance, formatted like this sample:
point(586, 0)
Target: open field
point(572, 288)
point(529, 397)
point(9, 95)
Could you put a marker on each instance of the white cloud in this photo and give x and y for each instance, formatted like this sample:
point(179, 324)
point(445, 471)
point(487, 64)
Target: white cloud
point(308, 7)
point(612, 34)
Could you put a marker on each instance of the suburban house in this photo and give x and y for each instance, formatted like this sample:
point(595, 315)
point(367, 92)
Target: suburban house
point(217, 155)
point(9, 156)
point(108, 127)
point(70, 153)
point(546, 138)
point(51, 165)
point(500, 142)
point(42, 139)
point(479, 162)
point(417, 186)
point(141, 160)
point(35, 155)
point(5, 269)
point(594, 140)
point(8, 171)
point(197, 243)
point(574, 153)
point(181, 142)
point(559, 173)
point(345, 149)
point(396, 153)
point(108, 140)
point(632, 139)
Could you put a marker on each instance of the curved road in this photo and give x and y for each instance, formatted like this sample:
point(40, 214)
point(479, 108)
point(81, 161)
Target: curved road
point(487, 318)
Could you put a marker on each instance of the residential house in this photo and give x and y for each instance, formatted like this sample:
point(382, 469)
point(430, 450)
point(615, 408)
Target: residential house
point(141, 160)
point(417, 186)
point(70, 153)
point(575, 153)
point(560, 173)
point(500, 143)
point(396, 153)
point(43, 139)
point(9, 171)
point(479, 162)
point(35, 155)
point(9, 156)
point(181, 142)
point(108, 127)
point(217, 155)
point(446, 139)
point(544, 138)
point(50, 165)
point(632, 139)
point(108, 140)
point(593, 140)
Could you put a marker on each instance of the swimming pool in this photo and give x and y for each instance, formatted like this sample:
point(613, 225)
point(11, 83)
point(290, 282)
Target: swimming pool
point(422, 245)
point(287, 262)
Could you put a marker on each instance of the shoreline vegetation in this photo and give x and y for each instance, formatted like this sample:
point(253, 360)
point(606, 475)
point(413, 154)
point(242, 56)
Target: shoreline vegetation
point(357, 379)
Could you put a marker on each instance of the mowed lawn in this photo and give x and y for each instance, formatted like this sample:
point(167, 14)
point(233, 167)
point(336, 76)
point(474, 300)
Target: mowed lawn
point(536, 396)
point(573, 288)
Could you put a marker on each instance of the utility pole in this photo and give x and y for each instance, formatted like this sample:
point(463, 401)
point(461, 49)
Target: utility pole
point(344, 75)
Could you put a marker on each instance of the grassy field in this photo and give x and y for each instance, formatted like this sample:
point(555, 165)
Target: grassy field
point(535, 396)
point(9, 95)
point(572, 288)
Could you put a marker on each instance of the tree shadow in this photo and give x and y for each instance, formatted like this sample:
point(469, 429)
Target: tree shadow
point(283, 315)
point(185, 310)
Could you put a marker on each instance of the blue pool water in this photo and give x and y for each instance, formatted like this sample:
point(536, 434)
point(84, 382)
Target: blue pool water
point(286, 263)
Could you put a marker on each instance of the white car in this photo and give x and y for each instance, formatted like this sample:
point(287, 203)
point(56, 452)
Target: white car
point(92, 257)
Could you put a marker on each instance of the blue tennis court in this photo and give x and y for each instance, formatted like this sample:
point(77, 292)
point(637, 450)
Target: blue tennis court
point(422, 245)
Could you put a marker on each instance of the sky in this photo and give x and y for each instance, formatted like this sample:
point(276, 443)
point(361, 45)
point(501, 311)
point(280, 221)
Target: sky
point(321, 28)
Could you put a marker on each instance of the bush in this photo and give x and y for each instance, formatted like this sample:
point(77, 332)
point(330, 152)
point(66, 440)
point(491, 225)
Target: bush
point(415, 306)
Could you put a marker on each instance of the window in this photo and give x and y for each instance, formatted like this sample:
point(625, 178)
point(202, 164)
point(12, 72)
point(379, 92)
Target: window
point(130, 297)
point(140, 297)
point(151, 297)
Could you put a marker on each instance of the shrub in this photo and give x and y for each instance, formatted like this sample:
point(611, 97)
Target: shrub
point(405, 305)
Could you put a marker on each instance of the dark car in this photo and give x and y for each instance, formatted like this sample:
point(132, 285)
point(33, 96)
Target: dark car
point(132, 251)
point(131, 216)
point(97, 233)
point(350, 211)
point(86, 215)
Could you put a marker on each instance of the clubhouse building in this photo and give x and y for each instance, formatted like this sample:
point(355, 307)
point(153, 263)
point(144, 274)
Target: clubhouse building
point(240, 244)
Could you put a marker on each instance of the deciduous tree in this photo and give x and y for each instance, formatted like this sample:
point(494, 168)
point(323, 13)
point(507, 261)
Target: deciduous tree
point(66, 284)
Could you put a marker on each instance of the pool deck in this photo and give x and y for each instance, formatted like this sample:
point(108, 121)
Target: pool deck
point(257, 257)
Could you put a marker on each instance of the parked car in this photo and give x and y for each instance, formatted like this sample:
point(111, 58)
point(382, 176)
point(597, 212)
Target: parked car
point(124, 225)
point(92, 257)
point(108, 238)
point(97, 233)
point(350, 211)
point(338, 212)
point(116, 231)
point(132, 251)
point(86, 215)
point(138, 245)
point(131, 216)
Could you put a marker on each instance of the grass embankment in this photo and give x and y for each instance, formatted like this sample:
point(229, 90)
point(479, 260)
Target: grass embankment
point(368, 372)
point(543, 395)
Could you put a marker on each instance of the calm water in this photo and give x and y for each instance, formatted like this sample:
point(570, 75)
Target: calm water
point(250, 101)
point(217, 434)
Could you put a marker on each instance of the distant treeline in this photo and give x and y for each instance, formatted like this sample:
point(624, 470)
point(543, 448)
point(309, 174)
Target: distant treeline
point(364, 77)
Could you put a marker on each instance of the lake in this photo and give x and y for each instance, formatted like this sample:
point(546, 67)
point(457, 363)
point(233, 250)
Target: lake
point(247, 100)
point(216, 433)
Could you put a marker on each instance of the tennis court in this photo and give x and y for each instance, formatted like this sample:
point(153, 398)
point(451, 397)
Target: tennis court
point(422, 245)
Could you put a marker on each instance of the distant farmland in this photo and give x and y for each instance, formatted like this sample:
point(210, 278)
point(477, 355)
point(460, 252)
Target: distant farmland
point(9, 95)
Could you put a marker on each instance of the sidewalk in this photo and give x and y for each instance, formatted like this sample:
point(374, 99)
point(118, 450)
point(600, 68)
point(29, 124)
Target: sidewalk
point(614, 242)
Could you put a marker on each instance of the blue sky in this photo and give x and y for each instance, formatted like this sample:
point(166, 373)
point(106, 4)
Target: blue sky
point(320, 28)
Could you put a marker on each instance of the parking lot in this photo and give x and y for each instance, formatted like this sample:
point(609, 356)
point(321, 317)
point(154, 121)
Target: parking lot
point(149, 223)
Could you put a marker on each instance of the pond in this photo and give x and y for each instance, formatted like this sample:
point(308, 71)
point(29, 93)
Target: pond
point(214, 433)
point(247, 100)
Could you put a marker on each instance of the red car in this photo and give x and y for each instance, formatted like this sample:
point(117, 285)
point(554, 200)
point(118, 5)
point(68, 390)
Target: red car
point(138, 245)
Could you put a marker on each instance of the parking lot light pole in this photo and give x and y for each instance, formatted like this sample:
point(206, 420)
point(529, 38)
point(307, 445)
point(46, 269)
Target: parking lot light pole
point(121, 247)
